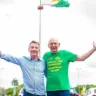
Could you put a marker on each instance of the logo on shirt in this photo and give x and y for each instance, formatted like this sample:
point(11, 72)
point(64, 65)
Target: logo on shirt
point(50, 58)
point(57, 58)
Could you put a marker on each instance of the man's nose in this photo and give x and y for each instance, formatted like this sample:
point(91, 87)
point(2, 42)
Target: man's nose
point(53, 45)
point(34, 48)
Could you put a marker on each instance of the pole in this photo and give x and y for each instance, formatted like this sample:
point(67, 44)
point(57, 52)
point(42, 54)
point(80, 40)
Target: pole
point(78, 77)
point(40, 32)
point(40, 7)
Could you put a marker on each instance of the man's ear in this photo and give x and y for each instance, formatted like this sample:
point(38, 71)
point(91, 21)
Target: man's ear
point(48, 46)
point(28, 48)
point(59, 44)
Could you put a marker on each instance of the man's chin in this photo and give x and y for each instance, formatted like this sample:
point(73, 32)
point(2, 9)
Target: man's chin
point(54, 51)
point(34, 55)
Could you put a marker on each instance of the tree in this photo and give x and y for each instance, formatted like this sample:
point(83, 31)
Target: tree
point(14, 84)
point(9, 91)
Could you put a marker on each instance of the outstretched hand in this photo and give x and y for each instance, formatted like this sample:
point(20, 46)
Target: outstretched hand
point(94, 45)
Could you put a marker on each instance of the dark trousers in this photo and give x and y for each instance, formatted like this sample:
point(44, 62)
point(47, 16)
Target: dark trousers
point(29, 94)
point(58, 93)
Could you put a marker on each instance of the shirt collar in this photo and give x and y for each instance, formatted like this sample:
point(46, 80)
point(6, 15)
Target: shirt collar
point(33, 59)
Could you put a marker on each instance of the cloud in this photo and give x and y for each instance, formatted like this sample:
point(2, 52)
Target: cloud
point(6, 1)
point(92, 64)
point(88, 8)
point(86, 76)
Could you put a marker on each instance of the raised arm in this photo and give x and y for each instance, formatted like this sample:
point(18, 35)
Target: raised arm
point(87, 54)
point(10, 58)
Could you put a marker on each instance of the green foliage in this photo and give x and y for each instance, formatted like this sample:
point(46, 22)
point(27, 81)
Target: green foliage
point(80, 87)
point(14, 82)
point(9, 91)
point(90, 86)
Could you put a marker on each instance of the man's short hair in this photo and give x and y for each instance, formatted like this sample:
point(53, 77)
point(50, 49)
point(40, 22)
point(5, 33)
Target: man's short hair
point(36, 42)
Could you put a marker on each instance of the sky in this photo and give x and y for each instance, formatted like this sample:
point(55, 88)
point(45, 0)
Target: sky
point(75, 28)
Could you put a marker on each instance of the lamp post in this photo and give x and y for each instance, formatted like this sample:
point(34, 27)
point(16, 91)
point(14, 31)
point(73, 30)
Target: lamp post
point(1, 79)
point(40, 8)
point(78, 78)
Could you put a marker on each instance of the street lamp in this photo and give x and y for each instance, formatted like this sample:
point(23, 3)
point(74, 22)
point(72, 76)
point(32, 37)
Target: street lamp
point(40, 8)
point(78, 78)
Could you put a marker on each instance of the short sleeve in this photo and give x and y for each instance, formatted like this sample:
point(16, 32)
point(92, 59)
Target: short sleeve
point(71, 56)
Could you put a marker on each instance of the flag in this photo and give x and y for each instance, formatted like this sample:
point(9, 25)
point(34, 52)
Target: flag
point(83, 90)
point(56, 3)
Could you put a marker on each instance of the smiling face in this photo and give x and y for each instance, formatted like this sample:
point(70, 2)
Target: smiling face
point(34, 49)
point(53, 45)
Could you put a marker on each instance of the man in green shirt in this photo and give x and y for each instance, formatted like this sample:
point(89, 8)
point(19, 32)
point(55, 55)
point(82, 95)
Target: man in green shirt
point(57, 63)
